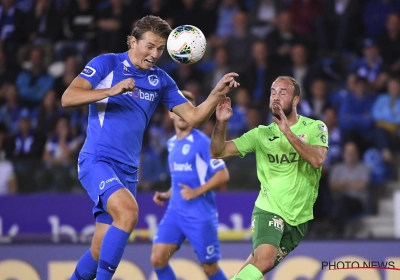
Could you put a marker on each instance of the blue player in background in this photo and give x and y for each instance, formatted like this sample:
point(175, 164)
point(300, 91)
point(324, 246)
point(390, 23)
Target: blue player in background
point(122, 91)
point(192, 211)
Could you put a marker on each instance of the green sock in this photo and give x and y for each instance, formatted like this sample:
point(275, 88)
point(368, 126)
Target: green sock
point(249, 272)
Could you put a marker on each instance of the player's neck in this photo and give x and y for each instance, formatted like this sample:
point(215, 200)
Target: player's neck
point(293, 118)
point(180, 134)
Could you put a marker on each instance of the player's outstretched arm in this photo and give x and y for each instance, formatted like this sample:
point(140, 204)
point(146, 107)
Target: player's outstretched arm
point(217, 180)
point(80, 92)
point(197, 116)
point(220, 148)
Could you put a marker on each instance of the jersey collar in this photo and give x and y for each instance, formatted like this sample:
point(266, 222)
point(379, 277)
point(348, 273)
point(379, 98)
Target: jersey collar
point(132, 68)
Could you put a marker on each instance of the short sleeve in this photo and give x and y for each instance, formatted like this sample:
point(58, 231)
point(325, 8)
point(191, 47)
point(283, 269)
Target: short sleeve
point(99, 68)
point(319, 134)
point(171, 95)
point(214, 165)
point(247, 142)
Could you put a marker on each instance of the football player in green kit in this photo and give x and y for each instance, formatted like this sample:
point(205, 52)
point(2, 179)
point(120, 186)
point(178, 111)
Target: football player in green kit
point(289, 155)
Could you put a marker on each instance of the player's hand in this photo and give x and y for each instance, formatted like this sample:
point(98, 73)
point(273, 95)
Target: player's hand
point(283, 122)
point(224, 111)
point(226, 83)
point(123, 86)
point(187, 192)
point(160, 197)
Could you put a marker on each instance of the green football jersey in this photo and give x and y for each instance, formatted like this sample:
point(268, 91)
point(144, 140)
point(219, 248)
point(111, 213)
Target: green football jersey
point(289, 185)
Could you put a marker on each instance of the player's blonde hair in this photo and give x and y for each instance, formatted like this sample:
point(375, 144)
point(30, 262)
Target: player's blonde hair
point(151, 23)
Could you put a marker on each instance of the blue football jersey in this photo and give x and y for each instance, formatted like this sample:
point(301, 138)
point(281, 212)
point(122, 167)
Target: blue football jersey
point(190, 163)
point(116, 124)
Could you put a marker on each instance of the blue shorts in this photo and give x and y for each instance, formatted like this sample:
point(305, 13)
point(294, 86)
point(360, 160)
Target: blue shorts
point(101, 177)
point(202, 234)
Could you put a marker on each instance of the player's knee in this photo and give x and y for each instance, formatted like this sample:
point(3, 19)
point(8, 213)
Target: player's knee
point(127, 216)
point(210, 268)
point(158, 261)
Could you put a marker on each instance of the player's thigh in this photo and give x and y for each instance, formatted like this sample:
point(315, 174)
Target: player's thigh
point(291, 238)
point(98, 236)
point(169, 230)
point(97, 176)
point(203, 236)
point(267, 229)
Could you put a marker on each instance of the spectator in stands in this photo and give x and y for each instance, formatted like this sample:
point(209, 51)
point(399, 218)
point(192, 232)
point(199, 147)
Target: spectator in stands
point(258, 77)
point(375, 14)
point(220, 67)
point(300, 69)
point(192, 12)
point(159, 8)
point(318, 100)
point(113, 23)
point(33, 83)
point(304, 15)
point(355, 120)
point(46, 115)
point(7, 72)
point(71, 70)
point(263, 17)
point(185, 73)
point(226, 14)
point(386, 115)
point(239, 43)
point(10, 111)
point(12, 29)
point(8, 181)
point(339, 25)
point(281, 40)
point(237, 125)
point(58, 157)
point(389, 43)
point(79, 30)
point(370, 67)
point(348, 182)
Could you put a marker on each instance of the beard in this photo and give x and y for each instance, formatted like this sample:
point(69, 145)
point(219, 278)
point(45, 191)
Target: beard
point(287, 111)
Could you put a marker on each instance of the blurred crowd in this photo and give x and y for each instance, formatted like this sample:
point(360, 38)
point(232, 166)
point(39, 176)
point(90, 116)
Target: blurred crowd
point(345, 54)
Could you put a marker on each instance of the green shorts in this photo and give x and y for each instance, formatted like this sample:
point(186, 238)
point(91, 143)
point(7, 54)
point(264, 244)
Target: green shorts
point(269, 228)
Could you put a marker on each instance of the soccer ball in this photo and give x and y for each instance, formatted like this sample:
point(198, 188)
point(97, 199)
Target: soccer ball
point(186, 44)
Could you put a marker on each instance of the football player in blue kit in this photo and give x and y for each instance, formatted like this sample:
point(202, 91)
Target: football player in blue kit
point(192, 211)
point(122, 91)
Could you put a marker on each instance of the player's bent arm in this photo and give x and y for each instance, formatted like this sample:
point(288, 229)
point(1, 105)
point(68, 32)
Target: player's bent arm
point(314, 155)
point(220, 177)
point(197, 116)
point(219, 147)
point(80, 93)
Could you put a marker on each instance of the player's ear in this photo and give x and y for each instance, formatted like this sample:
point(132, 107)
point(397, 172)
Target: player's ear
point(296, 100)
point(132, 41)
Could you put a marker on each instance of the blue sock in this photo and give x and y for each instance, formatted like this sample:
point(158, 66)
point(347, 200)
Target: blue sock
point(218, 276)
point(86, 268)
point(165, 273)
point(111, 251)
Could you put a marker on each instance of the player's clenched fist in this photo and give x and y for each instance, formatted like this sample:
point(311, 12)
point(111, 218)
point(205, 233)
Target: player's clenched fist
point(224, 111)
point(123, 86)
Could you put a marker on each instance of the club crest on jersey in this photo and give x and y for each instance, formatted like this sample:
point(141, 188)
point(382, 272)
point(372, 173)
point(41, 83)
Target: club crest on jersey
point(153, 80)
point(185, 149)
point(88, 71)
